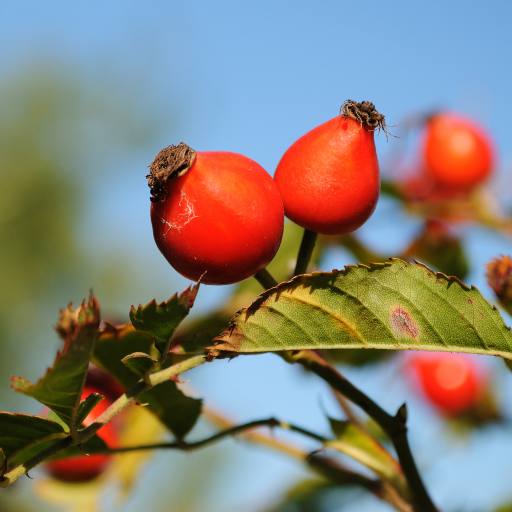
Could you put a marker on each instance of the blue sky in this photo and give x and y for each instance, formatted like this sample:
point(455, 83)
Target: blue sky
point(251, 77)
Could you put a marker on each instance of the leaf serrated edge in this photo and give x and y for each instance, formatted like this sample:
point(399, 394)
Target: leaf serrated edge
point(222, 348)
point(87, 316)
point(186, 298)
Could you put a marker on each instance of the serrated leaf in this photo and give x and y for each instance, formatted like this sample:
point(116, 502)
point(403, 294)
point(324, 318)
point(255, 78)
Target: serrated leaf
point(23, 436)
point(139, 362)
point(86, 406)
point(22, 433)
point(394, 305)
point(194, 335)
point(356, 443)
point(93, 445)
point(439, 247)
point(197, 334)
point(161, 320)
point(60, 388)
point(177, 411)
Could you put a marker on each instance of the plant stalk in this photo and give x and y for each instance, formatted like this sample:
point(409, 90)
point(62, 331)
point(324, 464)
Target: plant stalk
point(394, 426)
point(264, 277)
point(305, 252)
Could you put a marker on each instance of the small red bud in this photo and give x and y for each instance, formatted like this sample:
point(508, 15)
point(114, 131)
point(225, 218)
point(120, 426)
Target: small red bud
point(499, 277)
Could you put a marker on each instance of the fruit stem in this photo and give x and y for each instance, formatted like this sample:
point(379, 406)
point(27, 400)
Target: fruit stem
point(305, 252)
point(265, 278)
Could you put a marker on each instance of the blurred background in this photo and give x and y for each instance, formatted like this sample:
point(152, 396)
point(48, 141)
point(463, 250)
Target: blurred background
point(89, 92)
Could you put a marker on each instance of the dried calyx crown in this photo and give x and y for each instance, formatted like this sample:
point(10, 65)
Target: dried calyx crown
point(170, 162)
point(365, 113)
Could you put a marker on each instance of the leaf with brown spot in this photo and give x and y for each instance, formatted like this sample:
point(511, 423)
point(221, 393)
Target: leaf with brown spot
point(393, 305)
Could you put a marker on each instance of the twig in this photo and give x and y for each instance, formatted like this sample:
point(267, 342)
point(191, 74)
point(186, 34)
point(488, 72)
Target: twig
point(264, 277)
point(334, 471)
point(227, 432)
point(305, 251)
point(394, 426)
point(323, 465)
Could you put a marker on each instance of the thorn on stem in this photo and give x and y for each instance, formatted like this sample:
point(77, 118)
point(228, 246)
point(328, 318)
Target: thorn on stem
point(401, 414)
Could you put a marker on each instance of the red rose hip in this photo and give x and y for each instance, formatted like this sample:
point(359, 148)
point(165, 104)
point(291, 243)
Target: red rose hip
point(214, 213)
point(457, 152)
point(82, 468)
point(451, 382)
point(329, 178)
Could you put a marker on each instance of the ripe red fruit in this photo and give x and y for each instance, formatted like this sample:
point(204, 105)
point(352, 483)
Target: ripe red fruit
point(83, 468)
point(457, 152)
point(451, 382)
point(329, 178)
point(104, 382)
point(214, 213)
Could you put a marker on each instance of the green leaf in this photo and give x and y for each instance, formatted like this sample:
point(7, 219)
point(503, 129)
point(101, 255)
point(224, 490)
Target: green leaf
point(115, 343)
point(93, 445)
point(60, 388)
point(22, 436)
point(139, 363)
point(391, 189)
point(20, 430)
point(86, 406)
point(439, 247)
point(309, 495)
point(353, 441)
point(393, 305)
point(195, 335)
point(161, 320)
point(356, 357)
point(177, 411)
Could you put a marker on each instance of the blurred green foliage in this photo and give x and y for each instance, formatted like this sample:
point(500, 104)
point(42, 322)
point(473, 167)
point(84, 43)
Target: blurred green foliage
point(53, 126)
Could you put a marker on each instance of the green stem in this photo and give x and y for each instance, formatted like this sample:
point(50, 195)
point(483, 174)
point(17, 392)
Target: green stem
point(305, 251)
point(264, 277)
point(394, 426)
point(176, 369)
point(125, 399)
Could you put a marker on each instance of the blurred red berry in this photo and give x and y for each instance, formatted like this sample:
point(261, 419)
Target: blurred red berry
point(499, 277)
point(451, 382)
point(457, 152)
point(83, 468)
point(104, 382)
